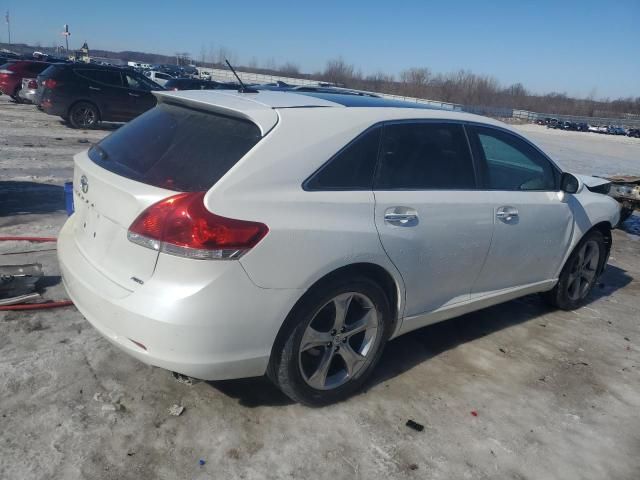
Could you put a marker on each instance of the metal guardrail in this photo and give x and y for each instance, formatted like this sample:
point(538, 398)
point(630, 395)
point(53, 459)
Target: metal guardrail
point(248, 77)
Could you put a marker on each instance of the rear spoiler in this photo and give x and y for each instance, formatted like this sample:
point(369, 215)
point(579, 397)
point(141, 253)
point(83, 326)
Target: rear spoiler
point(218, 102)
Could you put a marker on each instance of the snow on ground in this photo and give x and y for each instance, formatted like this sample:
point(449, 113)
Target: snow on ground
point(585, 152)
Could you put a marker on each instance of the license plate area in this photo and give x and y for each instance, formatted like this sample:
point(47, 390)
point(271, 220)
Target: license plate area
point(93, 231)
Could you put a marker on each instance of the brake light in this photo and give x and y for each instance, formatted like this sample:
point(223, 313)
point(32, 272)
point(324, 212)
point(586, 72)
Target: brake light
point(50, 83)
point(32, 84)
point(181, 225)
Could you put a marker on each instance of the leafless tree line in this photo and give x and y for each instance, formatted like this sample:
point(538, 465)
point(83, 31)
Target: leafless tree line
point(467, 88)
point(462, 87)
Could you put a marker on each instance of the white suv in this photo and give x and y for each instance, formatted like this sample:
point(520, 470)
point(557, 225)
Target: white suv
point(225, 235)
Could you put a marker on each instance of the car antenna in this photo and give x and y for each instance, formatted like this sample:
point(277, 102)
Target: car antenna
point(243, 87)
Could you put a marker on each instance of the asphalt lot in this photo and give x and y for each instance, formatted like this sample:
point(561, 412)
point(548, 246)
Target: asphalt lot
point(514, 391)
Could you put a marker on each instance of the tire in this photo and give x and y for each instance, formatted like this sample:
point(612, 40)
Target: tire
point(84, 115)
point(580, 274)
point(337, 356)
point(16, 96)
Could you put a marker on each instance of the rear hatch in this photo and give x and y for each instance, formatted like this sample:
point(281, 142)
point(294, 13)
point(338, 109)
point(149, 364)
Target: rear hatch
point(169, 149)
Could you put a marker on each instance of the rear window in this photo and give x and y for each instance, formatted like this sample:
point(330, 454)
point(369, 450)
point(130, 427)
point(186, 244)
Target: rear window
point(176, 147)
point(51, 70)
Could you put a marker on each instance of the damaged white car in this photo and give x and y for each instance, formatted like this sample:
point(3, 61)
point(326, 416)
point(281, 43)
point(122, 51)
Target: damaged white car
point(224, 235)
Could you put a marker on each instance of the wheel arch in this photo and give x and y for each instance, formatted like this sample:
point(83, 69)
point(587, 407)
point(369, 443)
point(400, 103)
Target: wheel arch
point(604, 227)
point(392, 288)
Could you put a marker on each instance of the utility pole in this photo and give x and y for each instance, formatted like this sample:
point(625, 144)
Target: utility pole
point(6, 17)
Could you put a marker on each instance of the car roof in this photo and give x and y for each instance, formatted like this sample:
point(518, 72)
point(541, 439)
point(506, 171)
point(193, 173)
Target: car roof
point(261, 108)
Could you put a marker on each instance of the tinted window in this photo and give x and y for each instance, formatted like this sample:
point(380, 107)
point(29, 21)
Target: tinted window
point(107, 77)
point(52, 70)
point(429, 156)
point(352, 168)
point(37, 68)
point(511, 163)
point(176, 147)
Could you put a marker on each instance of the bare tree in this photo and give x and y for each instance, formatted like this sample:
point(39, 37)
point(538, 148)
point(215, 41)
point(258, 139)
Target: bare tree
point(290, 68)
point(338, 72)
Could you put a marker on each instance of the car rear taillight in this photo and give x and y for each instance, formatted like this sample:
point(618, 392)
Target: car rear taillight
point(181, 225)
point(50, 83)
point(32, 85)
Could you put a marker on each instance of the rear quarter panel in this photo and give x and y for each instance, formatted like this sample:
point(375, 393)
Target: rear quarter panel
point(310, 233)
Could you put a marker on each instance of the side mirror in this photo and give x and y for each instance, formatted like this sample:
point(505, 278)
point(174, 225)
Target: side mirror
point(569, 183)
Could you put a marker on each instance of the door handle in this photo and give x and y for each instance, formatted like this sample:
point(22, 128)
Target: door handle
point(94, 88)
point(507, 214)
point(133, 94)
point(401, 217)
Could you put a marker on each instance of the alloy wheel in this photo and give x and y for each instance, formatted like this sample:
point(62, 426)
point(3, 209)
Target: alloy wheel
point(339, 341)
point(584, 271)
point(84, 116)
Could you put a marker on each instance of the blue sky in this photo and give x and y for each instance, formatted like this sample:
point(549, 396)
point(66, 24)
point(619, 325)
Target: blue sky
point(573, 46)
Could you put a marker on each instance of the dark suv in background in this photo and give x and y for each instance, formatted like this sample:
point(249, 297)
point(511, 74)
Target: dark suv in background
point(86, 94)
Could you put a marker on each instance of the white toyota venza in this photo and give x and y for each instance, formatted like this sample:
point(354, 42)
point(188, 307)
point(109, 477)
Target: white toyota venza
point(226, 234)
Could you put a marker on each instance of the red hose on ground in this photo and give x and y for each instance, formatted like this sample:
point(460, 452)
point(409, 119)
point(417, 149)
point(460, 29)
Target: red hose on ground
point(37, 306)
point(33, 306)
point(29, 239)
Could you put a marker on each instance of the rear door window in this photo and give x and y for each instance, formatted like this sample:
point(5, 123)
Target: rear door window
point(425, 156)
point(176, 147)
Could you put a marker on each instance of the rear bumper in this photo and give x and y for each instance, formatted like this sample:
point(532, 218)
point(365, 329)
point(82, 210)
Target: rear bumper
point(51, 105)
point(28, 94)
point(213, 326)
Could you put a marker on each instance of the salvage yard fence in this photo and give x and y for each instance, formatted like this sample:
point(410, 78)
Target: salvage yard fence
point(495, 112)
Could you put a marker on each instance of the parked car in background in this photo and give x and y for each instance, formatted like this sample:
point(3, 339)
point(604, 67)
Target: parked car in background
point(195, 84)
point(6, 57)
point(12, 73)
point(190, 70)
point(582, 127)
point(182, 254)
point(173, 70)
point(634, 132)
point(615, 130)
point(29, 91)
point(86, 94)
point(553, 123)
point(159, 77)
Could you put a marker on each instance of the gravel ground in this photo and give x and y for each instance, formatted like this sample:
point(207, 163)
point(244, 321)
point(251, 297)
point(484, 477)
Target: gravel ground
point(514, 391)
